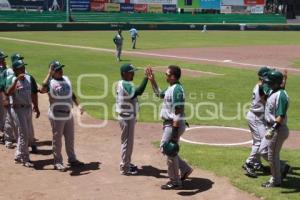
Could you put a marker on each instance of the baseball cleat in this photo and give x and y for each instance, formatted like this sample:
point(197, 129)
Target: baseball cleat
point(171, 186)
point(9, 145)
point(28, 164)
point(60, 167)
point(250, 171)
point(269, 184)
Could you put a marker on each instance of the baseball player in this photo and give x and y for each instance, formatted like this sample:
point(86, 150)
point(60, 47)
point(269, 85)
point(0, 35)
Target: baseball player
point(127, 109)
point(277, 129)
point(134, 34)
point(31, 138)
point(61, 98)
point(22, 90)
point(2, 111)
point(118, 40)
point(172, 113)
point(256, 123)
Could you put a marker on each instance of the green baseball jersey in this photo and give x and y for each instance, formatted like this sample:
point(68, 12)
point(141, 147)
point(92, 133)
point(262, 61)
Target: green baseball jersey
point(277, 105)
point(173, 96)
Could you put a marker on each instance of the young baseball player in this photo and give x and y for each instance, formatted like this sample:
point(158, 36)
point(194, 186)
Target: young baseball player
point(61, 98)
point(172, 113)
point(118, 40)
point(134, 34)
point(277, 129)
point(22, 90)
point(127, 109)
point(256, 123)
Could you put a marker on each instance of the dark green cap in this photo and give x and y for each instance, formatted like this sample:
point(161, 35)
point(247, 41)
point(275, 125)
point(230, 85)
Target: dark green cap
point(127, 68)
point(56, 65)
point(273, 77)
point(263, 71)
point(18, 64)
point(2, 55)
point(15, 57)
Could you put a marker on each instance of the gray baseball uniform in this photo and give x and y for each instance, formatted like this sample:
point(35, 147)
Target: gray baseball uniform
point(277, 105)
point(22, 113)
point(257, 125)
point(61, 118)
point(127, 109)
point(173, 96)
point(118, 40)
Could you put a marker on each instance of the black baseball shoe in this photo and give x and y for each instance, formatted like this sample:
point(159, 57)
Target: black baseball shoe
point(269, 184)
point(171, 186)
point(250, 171)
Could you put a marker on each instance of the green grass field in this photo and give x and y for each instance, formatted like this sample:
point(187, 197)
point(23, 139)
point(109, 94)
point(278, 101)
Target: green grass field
point(229, 92)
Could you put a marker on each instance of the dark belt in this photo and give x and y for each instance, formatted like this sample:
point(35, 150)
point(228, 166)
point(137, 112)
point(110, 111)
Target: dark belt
point(62, 111)
point(21, 105)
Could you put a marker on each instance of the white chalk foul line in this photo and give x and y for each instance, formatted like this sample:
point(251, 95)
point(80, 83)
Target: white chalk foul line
point(216, 144)
point(141, 53)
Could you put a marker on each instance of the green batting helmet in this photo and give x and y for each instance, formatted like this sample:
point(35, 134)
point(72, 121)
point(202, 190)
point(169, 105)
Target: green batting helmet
point(263, 71)
point(171, 148)
point(56, 65)
point(15, 57)
point(274, 77)
point(2, 55)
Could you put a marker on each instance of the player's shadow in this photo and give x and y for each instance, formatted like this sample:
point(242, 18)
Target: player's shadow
point(149, 170)
point(192, 186)
point(292, 181)
point(44, 152)
point(85, 169)
point(40, 164)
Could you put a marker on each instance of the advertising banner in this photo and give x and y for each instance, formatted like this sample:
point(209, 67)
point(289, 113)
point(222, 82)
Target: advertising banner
point(155, 8)
point(154, 2)
point(188, 4)
point(169, 8)
point(97, 6)
point(232, 2)
point(126, 7)
point(28, 4)
point(226, 9)
point(254, 2)
point(80, 5)
point(210, 4)
point(112, 7)
point(256, 9)
point(100, 1)
point(239, 9)
point(141, 8)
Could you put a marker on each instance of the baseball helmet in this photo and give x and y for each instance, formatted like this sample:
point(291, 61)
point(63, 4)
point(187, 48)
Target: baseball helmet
point(274, 77)
point(171, 148)
point(15, 57)
point(2, 55)
point(56, 65)
point(263, 71)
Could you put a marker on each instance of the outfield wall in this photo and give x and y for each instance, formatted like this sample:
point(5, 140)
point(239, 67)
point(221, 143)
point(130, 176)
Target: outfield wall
point(153, 26)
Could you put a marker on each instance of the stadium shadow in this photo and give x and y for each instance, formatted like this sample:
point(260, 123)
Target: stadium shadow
point(84, 170)
point(292, 182)
point(149, 170)
point(195, 185)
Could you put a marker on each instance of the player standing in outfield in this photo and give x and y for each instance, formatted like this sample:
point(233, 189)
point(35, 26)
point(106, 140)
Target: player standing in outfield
point(22, 90)
point(256, 123)
point(277, 129)
point(127, 108)
point(134, 34)
point(2, 109)
point(118, 40)
point(61, 98)
point(172, 113)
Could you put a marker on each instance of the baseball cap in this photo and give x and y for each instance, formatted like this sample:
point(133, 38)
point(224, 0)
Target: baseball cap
point(56, 65)
point(127, 68)
point(16, 56)
point(2, 55)
point(18, 64)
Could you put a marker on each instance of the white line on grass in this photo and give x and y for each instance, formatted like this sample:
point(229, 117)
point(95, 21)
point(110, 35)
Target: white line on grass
point(141, 53)
point(216, 144)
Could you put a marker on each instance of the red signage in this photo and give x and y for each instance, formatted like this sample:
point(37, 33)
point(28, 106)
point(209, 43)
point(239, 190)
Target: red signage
point(96, 6)
point(254, 2)
point(100, 1)
point(140, 8)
